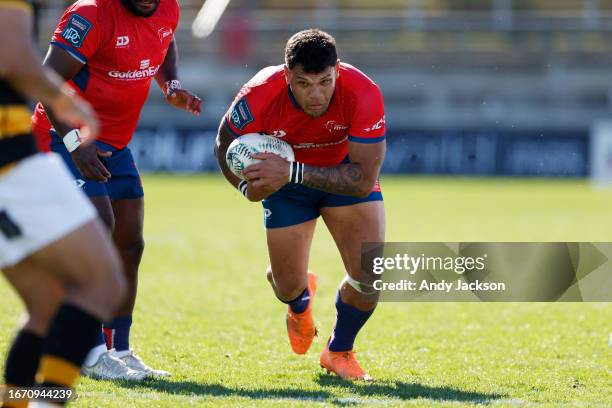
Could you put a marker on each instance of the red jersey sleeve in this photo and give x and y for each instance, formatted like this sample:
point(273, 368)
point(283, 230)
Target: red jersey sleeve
point(246, 115)
point(79, 31)
point(368, 122)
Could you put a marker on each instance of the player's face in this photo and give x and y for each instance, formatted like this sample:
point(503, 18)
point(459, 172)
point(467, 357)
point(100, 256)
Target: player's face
point(313, 92)
point(143, 8)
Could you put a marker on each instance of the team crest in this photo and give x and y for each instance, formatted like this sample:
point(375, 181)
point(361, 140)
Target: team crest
point(333, 127)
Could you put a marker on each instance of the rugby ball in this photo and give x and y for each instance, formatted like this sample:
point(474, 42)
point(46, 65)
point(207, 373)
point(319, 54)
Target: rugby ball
point(238, 155)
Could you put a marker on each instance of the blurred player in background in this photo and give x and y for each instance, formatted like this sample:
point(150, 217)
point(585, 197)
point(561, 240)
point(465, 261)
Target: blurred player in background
point(109, 51)
point(53, 250)
point(333, 116)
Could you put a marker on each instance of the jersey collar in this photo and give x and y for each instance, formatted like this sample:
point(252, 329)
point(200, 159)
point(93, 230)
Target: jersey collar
point(292, 99)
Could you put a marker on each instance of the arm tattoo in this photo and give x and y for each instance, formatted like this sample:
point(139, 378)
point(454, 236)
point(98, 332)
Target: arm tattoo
point(345, 179)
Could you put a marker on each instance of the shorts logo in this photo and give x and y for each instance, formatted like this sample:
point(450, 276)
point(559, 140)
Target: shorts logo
point(76, 30)
point(122, 41)
point(241, 114)
point(267, 213)
point(79, 183)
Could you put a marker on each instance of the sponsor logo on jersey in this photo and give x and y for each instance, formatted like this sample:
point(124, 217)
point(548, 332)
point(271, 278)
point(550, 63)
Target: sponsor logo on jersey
point(378, 125)
point(76, 30)
point(145, 71)
point(318, 145)
point(241, 114)
point(332, 126)
point(122, 41)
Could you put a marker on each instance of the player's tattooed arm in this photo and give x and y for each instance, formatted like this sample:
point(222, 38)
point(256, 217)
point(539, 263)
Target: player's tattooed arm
point(343, 179)
point(356, 178)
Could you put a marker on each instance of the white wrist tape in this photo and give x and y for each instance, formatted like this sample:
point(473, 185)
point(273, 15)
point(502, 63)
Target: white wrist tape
point(243, 187)
point(296, 172)
point(171, 86)
point(72, 140)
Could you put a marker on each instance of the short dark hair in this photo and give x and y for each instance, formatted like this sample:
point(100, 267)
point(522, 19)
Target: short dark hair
point(314, 49)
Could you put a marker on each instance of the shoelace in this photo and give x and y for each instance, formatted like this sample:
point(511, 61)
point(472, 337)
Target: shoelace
point(111, 362)
point(352, 362)
point(139, 361)
point(114, 360)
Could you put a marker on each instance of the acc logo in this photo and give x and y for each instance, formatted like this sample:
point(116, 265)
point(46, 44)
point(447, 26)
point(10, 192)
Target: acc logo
point(76, 30)
point(163, 33)
point(122, 41)
point(241, 114)
point(377, 125)
point(332, 126)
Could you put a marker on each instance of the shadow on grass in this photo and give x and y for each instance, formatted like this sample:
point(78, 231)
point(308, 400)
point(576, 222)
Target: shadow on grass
point(388, 391)
point(400, 390)
point(220, 390)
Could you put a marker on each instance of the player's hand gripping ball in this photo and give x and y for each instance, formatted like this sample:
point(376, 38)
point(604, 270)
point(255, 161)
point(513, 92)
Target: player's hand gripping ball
point(238, 156)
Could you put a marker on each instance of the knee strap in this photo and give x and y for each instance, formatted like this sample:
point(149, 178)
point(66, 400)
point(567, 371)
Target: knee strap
point(360, 287)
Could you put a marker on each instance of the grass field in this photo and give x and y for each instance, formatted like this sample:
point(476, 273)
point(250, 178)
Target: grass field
point(206, 313)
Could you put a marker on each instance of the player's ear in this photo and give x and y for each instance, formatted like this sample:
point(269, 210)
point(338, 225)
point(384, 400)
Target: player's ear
point(337, 68)
point(287, 74)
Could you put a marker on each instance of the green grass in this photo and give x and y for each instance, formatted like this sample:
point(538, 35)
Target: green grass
point(206, 313)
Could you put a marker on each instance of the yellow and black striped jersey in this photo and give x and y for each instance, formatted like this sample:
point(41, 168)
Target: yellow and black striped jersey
point(16, 141)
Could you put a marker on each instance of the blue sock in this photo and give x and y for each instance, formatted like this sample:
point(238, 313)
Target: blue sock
point(101, 338)
point(349, 320)
point(118, 333)
point(300, 303)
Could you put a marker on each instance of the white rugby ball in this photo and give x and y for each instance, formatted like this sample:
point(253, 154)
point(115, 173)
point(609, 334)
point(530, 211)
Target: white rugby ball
point(238, 155)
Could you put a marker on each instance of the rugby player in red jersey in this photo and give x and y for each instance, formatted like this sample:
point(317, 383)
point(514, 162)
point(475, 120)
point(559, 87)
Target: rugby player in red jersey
point(332, 115)
point(109, 51)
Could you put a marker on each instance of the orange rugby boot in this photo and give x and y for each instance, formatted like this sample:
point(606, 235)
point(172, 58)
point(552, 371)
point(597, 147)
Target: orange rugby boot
point(344, 364)
point(300, 326)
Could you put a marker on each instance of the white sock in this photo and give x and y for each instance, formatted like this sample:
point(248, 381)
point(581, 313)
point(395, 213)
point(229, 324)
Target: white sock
point(94, 355)
point(120, 354)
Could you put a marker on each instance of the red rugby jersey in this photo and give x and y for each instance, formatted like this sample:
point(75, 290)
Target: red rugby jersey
point(121, 53)
point(356, 112)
